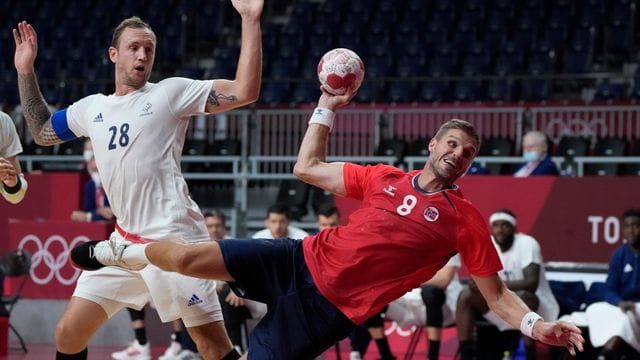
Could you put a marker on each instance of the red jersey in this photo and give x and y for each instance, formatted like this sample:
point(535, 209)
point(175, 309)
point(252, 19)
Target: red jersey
point(398, 239)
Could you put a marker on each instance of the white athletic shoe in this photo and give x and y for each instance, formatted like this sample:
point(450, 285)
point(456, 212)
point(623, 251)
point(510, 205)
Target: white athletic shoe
point(93, 255)
point(172, 351)
point(135, 351)
point(355, 355)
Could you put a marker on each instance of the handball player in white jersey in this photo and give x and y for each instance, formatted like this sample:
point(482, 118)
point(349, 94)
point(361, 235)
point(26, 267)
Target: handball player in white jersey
point(138, 135)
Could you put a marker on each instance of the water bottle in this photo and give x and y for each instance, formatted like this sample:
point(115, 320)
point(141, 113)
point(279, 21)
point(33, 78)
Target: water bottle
point(506, 355)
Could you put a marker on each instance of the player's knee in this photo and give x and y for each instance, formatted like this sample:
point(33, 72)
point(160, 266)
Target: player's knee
point(66, 338)
point(464, 299)
point(432, 295)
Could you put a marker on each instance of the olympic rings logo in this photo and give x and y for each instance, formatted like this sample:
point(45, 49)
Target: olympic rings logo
point(55, 263)
point(394, 327)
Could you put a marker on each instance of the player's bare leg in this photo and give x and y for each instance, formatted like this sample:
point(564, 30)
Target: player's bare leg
point(201, 260)
point(212, 340)
point(81, 319)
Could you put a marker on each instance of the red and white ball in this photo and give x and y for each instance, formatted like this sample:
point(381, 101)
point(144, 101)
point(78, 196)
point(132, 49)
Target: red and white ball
point(339, 69)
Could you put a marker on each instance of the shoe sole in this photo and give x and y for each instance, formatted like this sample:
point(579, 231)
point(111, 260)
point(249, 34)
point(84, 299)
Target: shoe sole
point(81, 256)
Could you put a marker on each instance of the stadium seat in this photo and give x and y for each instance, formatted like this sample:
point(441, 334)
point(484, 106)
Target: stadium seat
point(306, 92)
point(497, 147)
point(500, 90)
point(418, 147)
point(392, 147)
point(402, 91)
point(535, 90)
point(571, 146)
point(467, 91)
point(434, 91)
point(608, 90)
point(569, 294)
point(606, 147)
point(294, 194)
point(275, 92)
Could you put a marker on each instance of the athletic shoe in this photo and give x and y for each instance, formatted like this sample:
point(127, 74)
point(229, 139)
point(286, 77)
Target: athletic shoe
point(135, 351)
point(354, 355)
point(94, 255)
point(172, 351)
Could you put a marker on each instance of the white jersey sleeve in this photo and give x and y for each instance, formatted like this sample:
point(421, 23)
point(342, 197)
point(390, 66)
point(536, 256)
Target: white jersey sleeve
point(9, 141)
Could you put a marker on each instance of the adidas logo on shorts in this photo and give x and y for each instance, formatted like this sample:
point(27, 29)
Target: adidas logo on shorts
point(195, 300)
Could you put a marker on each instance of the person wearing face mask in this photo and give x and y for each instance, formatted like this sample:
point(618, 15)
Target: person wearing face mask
point(537, 161)
point(95, 205)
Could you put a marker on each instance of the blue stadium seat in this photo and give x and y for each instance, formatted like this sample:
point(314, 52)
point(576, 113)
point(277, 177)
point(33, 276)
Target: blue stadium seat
point(305, 92)
point(467, 91)
point(473, 66)
point(535, 90)
point(441, 66)
point(372, 91)
point(608, 90)
point(434, 91)
point(500, 90)
point(577, 62)
point(275, 93)
point(402, 91)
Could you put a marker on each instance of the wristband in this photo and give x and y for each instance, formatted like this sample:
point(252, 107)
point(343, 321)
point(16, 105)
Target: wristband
point(526, 325)
point(15, 194)
point(323, 116)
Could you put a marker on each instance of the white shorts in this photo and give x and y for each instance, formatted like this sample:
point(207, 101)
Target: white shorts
point(174, 295)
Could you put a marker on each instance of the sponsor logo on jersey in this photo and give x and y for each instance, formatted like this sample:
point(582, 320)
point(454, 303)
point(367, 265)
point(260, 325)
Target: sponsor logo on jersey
point(431, 214)
point(195, 300)
point(98, 118)
point(390, 190)
point(146, 109)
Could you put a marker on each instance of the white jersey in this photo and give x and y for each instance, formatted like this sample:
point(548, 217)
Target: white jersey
point(525, 251)
point(137, 141)
point(292, 233)
point(9, 141)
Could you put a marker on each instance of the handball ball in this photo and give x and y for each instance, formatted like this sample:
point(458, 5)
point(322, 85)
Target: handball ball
point(339, 69)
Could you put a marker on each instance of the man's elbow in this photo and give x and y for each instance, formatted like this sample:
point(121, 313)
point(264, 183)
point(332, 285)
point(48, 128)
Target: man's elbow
point(300, 170)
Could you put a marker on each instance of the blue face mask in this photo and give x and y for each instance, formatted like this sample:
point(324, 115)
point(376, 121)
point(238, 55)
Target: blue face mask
point(531, 156)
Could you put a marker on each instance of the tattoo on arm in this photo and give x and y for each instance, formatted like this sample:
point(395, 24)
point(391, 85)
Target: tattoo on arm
point(36, 112)
point(215, 99)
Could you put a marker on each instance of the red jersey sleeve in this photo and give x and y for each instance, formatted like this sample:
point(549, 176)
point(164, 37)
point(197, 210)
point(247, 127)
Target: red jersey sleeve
point(357, 177)
point(475, 245)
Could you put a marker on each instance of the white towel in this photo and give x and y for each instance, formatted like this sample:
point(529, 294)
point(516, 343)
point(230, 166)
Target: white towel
point(606, 321)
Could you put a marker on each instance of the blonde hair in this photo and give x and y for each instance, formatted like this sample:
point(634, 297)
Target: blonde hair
point(133, 22)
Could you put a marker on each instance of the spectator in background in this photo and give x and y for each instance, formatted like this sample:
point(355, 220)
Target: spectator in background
point(433, 304)
point(615, 324)
point(95, 205)
point(523, 273)
point(327, 216)
point(278, 225)
point(14, 185)
point(537, 161)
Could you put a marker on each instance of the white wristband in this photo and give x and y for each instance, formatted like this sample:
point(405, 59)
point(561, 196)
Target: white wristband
point(323, 116)
point(526, 325)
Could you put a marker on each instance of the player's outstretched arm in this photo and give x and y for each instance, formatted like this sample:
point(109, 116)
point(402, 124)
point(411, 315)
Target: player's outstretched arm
point(510, 308)
point(245, 88)
point(34, 106)
point(311, 166)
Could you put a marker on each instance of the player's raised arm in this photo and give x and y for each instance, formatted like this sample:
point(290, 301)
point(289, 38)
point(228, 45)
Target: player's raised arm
point(245, 88)
point(34, 106)
point(311, 166)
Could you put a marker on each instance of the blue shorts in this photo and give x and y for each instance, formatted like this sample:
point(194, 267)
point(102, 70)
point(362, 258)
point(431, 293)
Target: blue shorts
point(300, 322)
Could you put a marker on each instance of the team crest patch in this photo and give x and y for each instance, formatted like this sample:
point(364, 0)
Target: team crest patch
point(431, 214)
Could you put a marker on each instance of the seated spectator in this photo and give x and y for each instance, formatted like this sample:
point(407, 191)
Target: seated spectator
point(95, 205)
point(433, 304)
point(278, 225)
point(615, 323)
point(537, 161)
point(523, 273)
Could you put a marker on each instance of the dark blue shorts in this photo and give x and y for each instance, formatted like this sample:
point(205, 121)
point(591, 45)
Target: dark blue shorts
point(300, 323)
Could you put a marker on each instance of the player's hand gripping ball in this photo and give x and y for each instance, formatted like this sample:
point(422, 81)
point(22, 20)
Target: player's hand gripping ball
point(339, 69)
